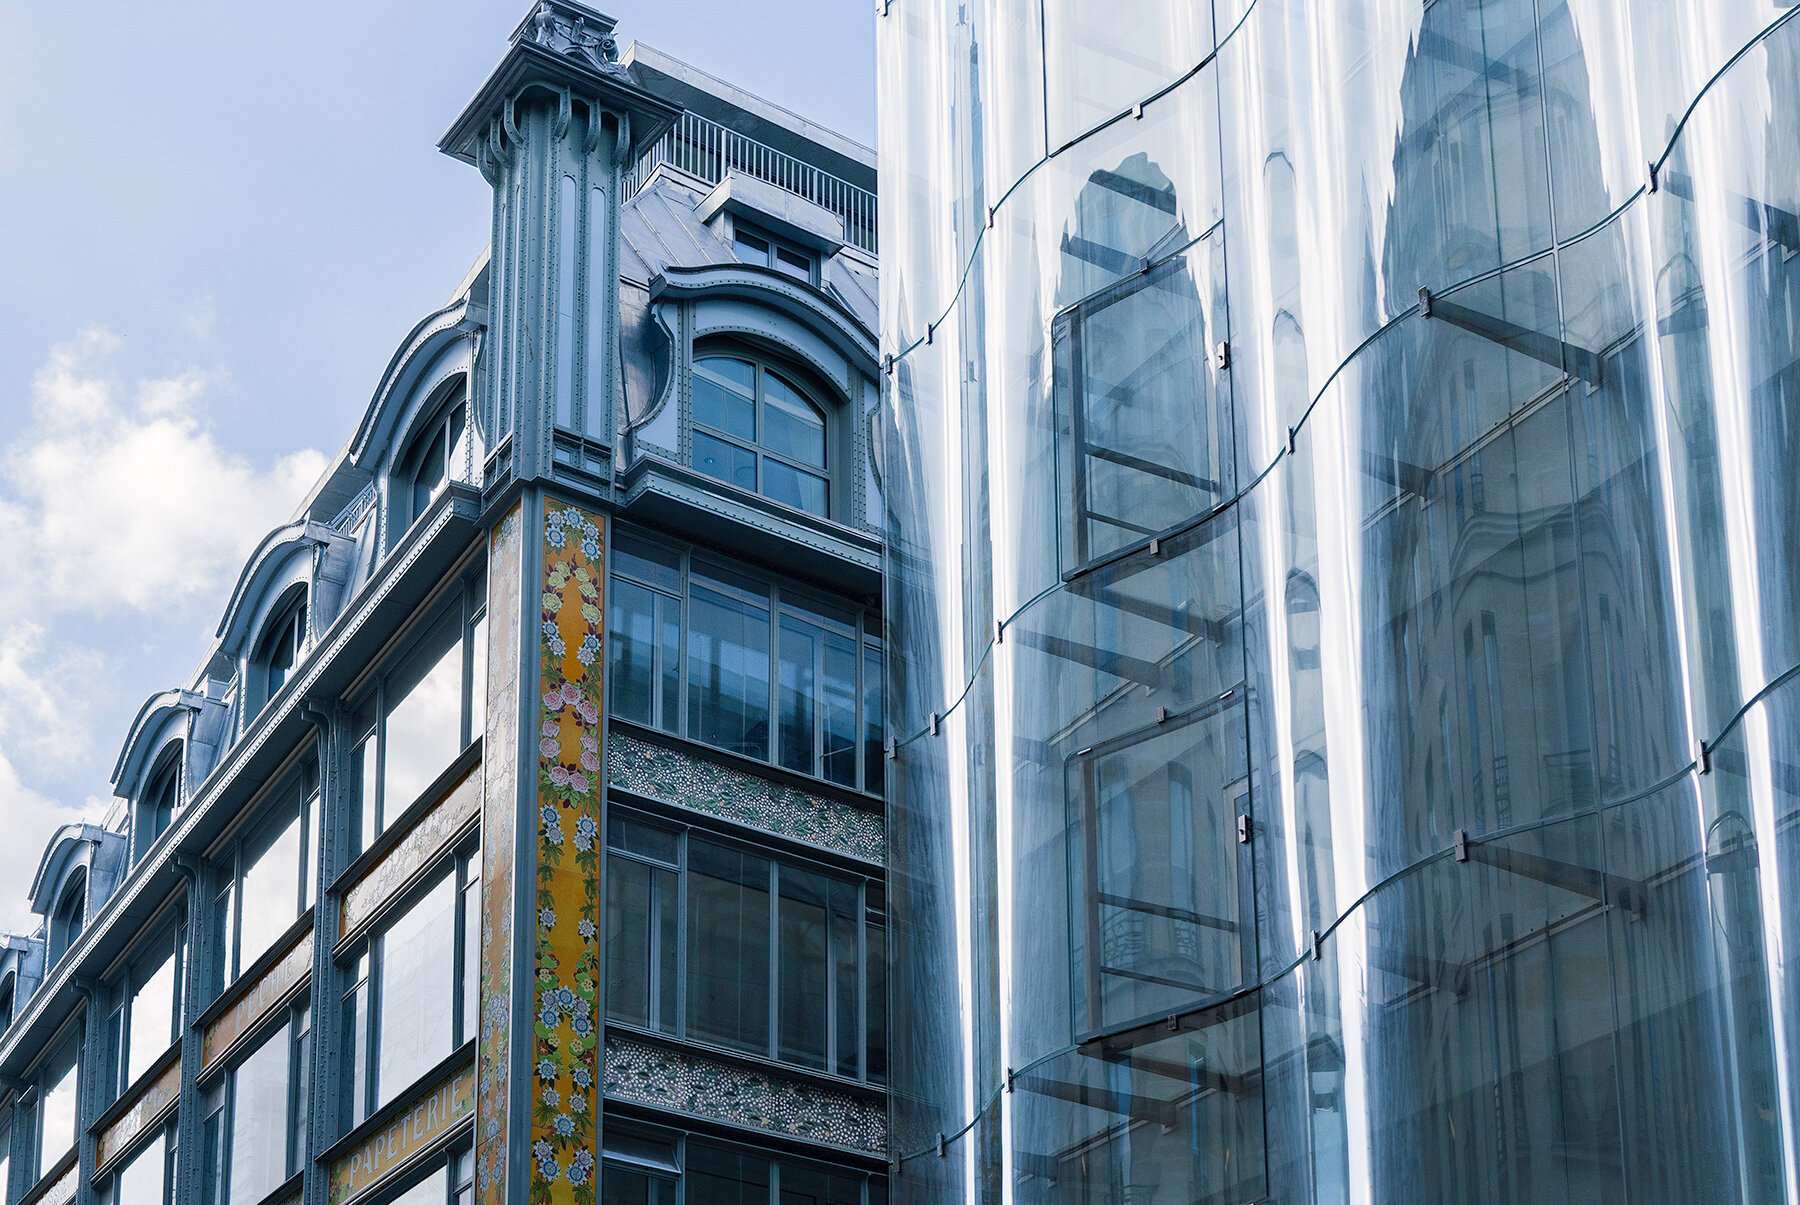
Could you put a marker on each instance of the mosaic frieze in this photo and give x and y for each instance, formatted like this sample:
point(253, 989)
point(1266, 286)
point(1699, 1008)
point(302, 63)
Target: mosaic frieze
point(653, 1075)
point(662, 773)
point(152, 1104)
point(412, 853)
point(499, 803)
point(565, 1055)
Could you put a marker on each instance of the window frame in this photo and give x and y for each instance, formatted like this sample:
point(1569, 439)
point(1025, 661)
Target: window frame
point(283, 634)
point(64, 930)
point(161, 786)
point(66, 1046)
point(870, 914)
point(781, 599)
point(296, 789)
point(795, 378)
point(219, 1102)
point(449, 418)
point(361, 968)
point(773, 246)
point(369, 697)
point(170, 938)
point(169, 1135)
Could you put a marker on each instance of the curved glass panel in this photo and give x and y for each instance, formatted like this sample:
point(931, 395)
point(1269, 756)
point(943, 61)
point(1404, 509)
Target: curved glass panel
point(1342, 575)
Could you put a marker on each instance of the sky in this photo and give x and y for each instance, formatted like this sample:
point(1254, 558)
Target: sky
point(217, 221)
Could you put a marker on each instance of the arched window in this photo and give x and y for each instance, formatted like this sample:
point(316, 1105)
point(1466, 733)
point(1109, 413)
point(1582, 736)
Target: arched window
point(758, 430)
point(156, 807)
point(427, 464)
point(279, 649)
point(70, 917)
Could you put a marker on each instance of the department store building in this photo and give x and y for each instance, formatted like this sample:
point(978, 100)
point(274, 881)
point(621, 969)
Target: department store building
point(519, 837)
point(1343, 571)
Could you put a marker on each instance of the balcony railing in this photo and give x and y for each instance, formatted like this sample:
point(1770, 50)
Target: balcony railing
point(708, 150)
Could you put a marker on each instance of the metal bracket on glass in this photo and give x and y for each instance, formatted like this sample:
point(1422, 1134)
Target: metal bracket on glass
point(1650, 186)
point(1222, 356)
point(934, 723)
point(1137, 111)
point(893, 749)
point(930, 330)
point(999, 632)
point(887, 363)
point(1290, 445)
point(942, 1146)
point(1162, 715)
point(1246, 828)
point(1010, 1074)
point(1461, 850)
point(1155, 547)
point(990, 217)
point(1318, 946)
point(1702, 758)
point(1424, 302)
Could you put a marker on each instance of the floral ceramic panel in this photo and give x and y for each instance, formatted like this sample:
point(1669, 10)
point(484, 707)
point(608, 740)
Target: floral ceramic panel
point(665, 1078)
point(660, 772)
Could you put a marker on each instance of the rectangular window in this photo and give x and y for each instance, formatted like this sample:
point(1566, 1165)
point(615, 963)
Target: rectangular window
point(422, 712)
point(411, 996)
point(754, 653)
point(57, 1107)
point(1143, 449)
point(147, 1177)
point(269, 876)
point(146, 1020)
point(255, 1128)
point(719, 944)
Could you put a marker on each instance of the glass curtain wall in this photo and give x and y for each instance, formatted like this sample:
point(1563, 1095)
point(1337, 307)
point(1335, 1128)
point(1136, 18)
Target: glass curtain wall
point(1342, 574)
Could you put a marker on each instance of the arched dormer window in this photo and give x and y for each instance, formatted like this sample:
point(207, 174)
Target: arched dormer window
point(427, 464)
point(156, 806)
point(279, 649)
point(8, 994)
point(69, 918)
point(757, 429)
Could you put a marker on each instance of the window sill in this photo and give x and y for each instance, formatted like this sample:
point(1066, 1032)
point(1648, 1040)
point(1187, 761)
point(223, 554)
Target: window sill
point(45, 1188)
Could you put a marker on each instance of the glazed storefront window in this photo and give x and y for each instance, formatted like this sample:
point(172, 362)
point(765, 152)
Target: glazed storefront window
point(422, 711)
point(772, 958)
point(760, 670)
point(255, 1128)
point(411, 1000)
point(268, 878)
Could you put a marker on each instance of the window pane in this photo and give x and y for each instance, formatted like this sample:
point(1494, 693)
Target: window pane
point(793, 263)
point(424, 723)
point(728, 671)
point(750, 249)
point(259, 1122)
point(837, 700)
point(724, 396)
point(846, 965)
point(794, 487)
point(270, 891)
point(726, 461)
point(629, 917)
point(791, 426)
point(799, 651)
point(417, 992)
point(873, 722)
point(471, 951)
point(57, 1134)
point(432, 1190)
point(478, 678)
point(720, 1177)
point(669, 616)
point(356, 1033)
point(813, 1186)
point(728, 947)
point(651, 564)
point(877, 1020)
point(152, 1017)
point(803, 975)
point(141, 1181)
point(642, 839)
point(632, 631)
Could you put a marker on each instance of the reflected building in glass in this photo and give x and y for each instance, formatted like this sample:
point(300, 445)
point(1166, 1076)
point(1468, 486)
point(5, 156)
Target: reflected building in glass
point(519, 837)
point(1342, 570)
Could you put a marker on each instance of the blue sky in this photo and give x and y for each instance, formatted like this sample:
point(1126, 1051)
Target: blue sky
point(217, 221)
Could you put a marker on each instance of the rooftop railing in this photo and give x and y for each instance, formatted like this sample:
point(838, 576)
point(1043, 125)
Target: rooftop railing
point(708, 150)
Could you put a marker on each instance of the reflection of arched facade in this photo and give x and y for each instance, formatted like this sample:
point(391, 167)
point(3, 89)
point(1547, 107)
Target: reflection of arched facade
point(1408, 824)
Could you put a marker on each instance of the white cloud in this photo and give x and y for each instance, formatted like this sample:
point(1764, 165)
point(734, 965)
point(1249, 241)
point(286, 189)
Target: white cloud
point(119, 513)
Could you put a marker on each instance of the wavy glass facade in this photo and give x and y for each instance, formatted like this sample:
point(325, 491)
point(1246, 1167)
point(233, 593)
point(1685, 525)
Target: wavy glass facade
point(1343, 557)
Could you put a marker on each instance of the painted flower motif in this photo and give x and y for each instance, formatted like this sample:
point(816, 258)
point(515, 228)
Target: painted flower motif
point(553, 700)
point(578, 783)
point(571, 693)
point(564, 1126)
point(566, 999)
point(547, 918)
point(551, 1097)
point(548, 1171)
point(585, 927)
point(589, 762)
point(556, 519)
point(554, 536)
point(548, 1018)
point(556, 646)
point(548, 747)
point(583, 1077)
point(587, 709)
point(553, 833)
point(550, 725)
point(546, 1069)
point(559, 776)
point(590, 549)
point(579, 1169)
point(581, 1025)
point(589, 650)
point(589, 741)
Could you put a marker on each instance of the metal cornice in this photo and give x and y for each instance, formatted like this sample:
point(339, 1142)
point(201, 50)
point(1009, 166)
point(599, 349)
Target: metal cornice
point(823, 314)
point(528, 65)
